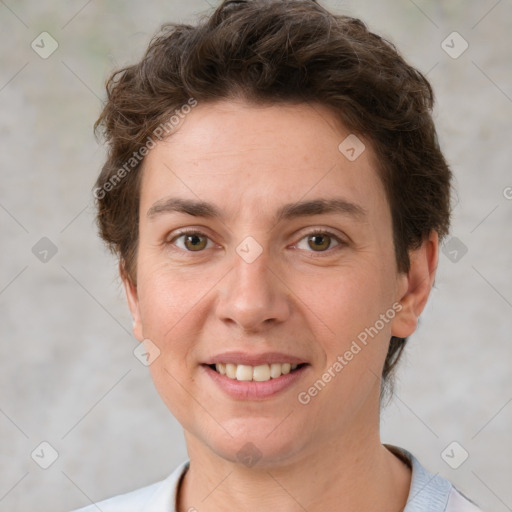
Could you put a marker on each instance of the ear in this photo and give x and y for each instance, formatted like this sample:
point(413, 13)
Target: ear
point(415, 285)
point(132, 298)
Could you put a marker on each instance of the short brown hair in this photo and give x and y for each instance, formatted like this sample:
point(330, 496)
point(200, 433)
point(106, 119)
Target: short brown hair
point(280, 52)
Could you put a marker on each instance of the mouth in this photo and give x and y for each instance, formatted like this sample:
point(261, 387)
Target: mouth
point(243, 376)
point(258, 373)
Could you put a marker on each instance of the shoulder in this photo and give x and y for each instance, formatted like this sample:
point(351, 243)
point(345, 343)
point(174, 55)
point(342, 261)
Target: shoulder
point(431, 492)
point(157, 497)
point(130, 501)
point(457, 502)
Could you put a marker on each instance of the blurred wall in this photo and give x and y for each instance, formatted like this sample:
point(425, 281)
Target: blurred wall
point(68, 375)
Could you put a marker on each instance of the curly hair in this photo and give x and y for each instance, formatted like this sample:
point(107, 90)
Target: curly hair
point(271, 52)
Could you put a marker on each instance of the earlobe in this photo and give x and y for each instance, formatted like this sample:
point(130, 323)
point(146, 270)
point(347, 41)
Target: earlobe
point(417, 284)
point(132, 298)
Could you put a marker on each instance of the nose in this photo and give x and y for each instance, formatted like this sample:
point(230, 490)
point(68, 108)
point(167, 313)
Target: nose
point(253, 296)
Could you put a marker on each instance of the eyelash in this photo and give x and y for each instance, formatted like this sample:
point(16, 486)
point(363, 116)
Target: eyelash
point(330, 234)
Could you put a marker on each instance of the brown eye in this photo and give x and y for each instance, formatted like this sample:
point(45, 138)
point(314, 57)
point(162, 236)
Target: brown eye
point(319, 241)
point(191, 241)
point(194, 243)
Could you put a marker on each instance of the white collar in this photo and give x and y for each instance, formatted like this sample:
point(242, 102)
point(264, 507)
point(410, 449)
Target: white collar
point(428, 492)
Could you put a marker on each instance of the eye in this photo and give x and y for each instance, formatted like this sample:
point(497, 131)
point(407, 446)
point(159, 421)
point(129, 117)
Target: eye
point(320, 240)
point(193, 241)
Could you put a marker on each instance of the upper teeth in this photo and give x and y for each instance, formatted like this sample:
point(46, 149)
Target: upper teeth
point(260, 373)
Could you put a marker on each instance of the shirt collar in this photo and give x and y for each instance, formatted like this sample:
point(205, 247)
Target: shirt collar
point(427, 492)
point(164, 497)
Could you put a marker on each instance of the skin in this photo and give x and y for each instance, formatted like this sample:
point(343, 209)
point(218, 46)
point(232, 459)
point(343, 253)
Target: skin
point(294, 298)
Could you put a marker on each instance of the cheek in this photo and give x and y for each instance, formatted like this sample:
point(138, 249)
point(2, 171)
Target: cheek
point(167, 296)
point(171, 383)
point(167, 307)
point(354, 300)
point(351, 305)
point(355, 350)
point(174, 304)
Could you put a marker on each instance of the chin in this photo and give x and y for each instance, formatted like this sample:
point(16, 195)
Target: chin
point(261, 443)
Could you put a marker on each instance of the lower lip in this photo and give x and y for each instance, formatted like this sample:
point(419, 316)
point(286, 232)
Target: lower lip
point(252, 390)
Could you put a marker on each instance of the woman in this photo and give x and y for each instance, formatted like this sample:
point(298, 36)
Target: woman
point(276, 196)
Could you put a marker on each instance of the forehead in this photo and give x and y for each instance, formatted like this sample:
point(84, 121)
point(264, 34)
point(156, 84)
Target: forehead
point(249, 158)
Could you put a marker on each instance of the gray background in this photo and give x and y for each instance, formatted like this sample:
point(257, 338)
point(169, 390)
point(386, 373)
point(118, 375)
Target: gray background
point(68, 374)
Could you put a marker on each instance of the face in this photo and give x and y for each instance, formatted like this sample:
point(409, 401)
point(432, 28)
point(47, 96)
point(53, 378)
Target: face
point(265, 253)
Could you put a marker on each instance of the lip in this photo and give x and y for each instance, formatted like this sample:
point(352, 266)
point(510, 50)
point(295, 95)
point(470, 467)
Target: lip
point(252, 390)
point(254, 359)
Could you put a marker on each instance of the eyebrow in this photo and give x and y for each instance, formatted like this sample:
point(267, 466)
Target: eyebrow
point(198, 208)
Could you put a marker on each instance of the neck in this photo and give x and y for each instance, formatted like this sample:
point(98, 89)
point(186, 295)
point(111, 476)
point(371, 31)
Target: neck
point(343, 475)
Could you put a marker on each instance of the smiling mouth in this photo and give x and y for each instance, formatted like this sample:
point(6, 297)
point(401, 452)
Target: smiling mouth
point(259, 373)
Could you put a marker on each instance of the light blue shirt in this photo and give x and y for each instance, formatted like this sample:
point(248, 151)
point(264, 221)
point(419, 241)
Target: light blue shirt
point(428, 493)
